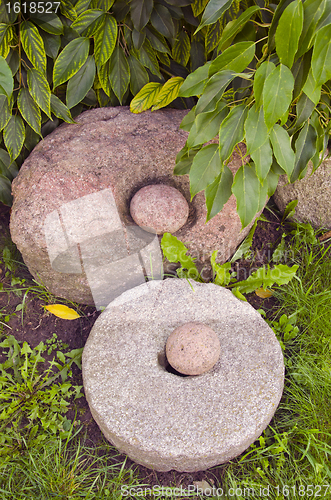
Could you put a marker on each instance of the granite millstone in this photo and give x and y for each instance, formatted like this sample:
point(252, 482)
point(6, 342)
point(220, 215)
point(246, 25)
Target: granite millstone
point(164, 421)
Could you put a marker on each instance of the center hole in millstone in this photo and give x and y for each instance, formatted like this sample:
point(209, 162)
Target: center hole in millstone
point(162, 360)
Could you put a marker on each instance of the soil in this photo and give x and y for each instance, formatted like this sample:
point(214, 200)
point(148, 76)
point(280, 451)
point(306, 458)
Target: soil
point(39, 325)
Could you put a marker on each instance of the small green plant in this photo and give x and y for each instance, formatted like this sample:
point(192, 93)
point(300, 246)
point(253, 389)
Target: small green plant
point(34, 395)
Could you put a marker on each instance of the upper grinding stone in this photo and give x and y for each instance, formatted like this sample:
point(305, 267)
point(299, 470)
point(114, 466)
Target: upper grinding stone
point(159, 209)
point(193, 348)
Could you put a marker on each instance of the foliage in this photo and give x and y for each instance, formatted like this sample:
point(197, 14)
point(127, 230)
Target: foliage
point(33, 402)
point(268, 84)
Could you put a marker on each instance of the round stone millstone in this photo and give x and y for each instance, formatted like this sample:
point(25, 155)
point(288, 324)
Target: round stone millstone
point(193, 348)
point(162, 420)
point(159, 209)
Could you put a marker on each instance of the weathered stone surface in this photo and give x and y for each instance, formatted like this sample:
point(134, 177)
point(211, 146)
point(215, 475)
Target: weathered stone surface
point(193, 348)
point(159, 209)
point(75, 188)
point(313, 193)
point(165, 421)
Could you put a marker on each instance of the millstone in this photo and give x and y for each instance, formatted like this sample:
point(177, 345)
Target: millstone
point(164, 421)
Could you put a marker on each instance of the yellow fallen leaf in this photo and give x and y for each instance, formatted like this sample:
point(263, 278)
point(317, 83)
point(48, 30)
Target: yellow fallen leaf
point(61, 311)
point(264, 294)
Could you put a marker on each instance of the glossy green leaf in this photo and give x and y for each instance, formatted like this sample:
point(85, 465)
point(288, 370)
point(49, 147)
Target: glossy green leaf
point(146, 97)
point(288, 32)
point(119, 73)
point(140, 12)
point(148, 58)
point(181, 48)
point(213, 36)
point(184, 160)
point(103, 76)
point(198, 6)
point(5, 111)
point(277, 94)
point(305, 148)
point(138, 75)
point(214, 90)
point(311, 89)
point(6, 78)
point(157, 40)
point(105, 40)
point(206, 125)
point(6, 35)
point(70, 60)
point(88, 23)
point(321, 59)
point(60, 110)
point(68, 10)
point(274, 23)
point(232, 131)
point(281, 145)
point(262, 158)
point(29, 109)
point(256, 131)
point(205, 168)
point(51, 23)
point(195, 82)
point(313, 10)
point(246, 187)
point(188, 120)
point(39, 89)
point(82, 5)
point(80, 83)
point(168, 93)
point(162, 21)
point(304, 110)
point(214, 10)
point(13, 135)
point(272, 182)
point(218, 192)
point(5, 191)
point(300, 72)
point(233, 27)
point(33, 45)
point(260, 76)
point(235, 58)
point(52, 44)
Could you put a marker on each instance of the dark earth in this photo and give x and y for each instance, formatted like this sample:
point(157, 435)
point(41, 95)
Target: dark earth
point(40, 325)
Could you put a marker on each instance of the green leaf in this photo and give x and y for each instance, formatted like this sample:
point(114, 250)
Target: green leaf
point(168, 93)
point(39, 89)
point(146, 97)
point(246, 188)
point(5, 191)
point(214, 90)
point(148, 58)
point(6, 36)
point(260, 76)
point(162, 21)
point(68, 10)
point(181, 48)
point(232, 131)
point(138, 75)
point(29, 110)
point(70, 60)
point(218, 192)
point(214, 32)
point(312, 12)
point(272, 182)
point(101, 4)
point(80, 83)
point(288, 33)
point(304, 110)
point(205, 168)
point(266, 277)
point(305, 148)
point(119, 73)
point(51, 23)
point(233, 27)
point(188, 120)
point(52, 44)
point(175, 251)
point(81, 6)
point(221, 272)
point(88, 23)
point(281, 145)
point(140, 12)
point(33, 45)
point(235, 58)
point(157, 41)
point(277, 94)
point(321, 59)
point(105, 40)
point(198, 6)
point(195, 82)
point(206, 125)
point(311, 89)
point(184, 160)
point(5, 111)
point(6, 78)
point(245, 246)
point(138, 38)
point(14, 134)
point(256, 131)
point(60, 109)
point(213, 12)
point(262, 158)
point(103, 75)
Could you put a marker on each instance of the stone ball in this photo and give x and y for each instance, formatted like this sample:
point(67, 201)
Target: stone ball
point(159, 209)
point(193, 348)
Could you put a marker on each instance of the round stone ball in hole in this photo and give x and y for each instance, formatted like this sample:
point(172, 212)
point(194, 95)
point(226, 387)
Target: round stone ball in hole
point(159, 209)
point(193, 348)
